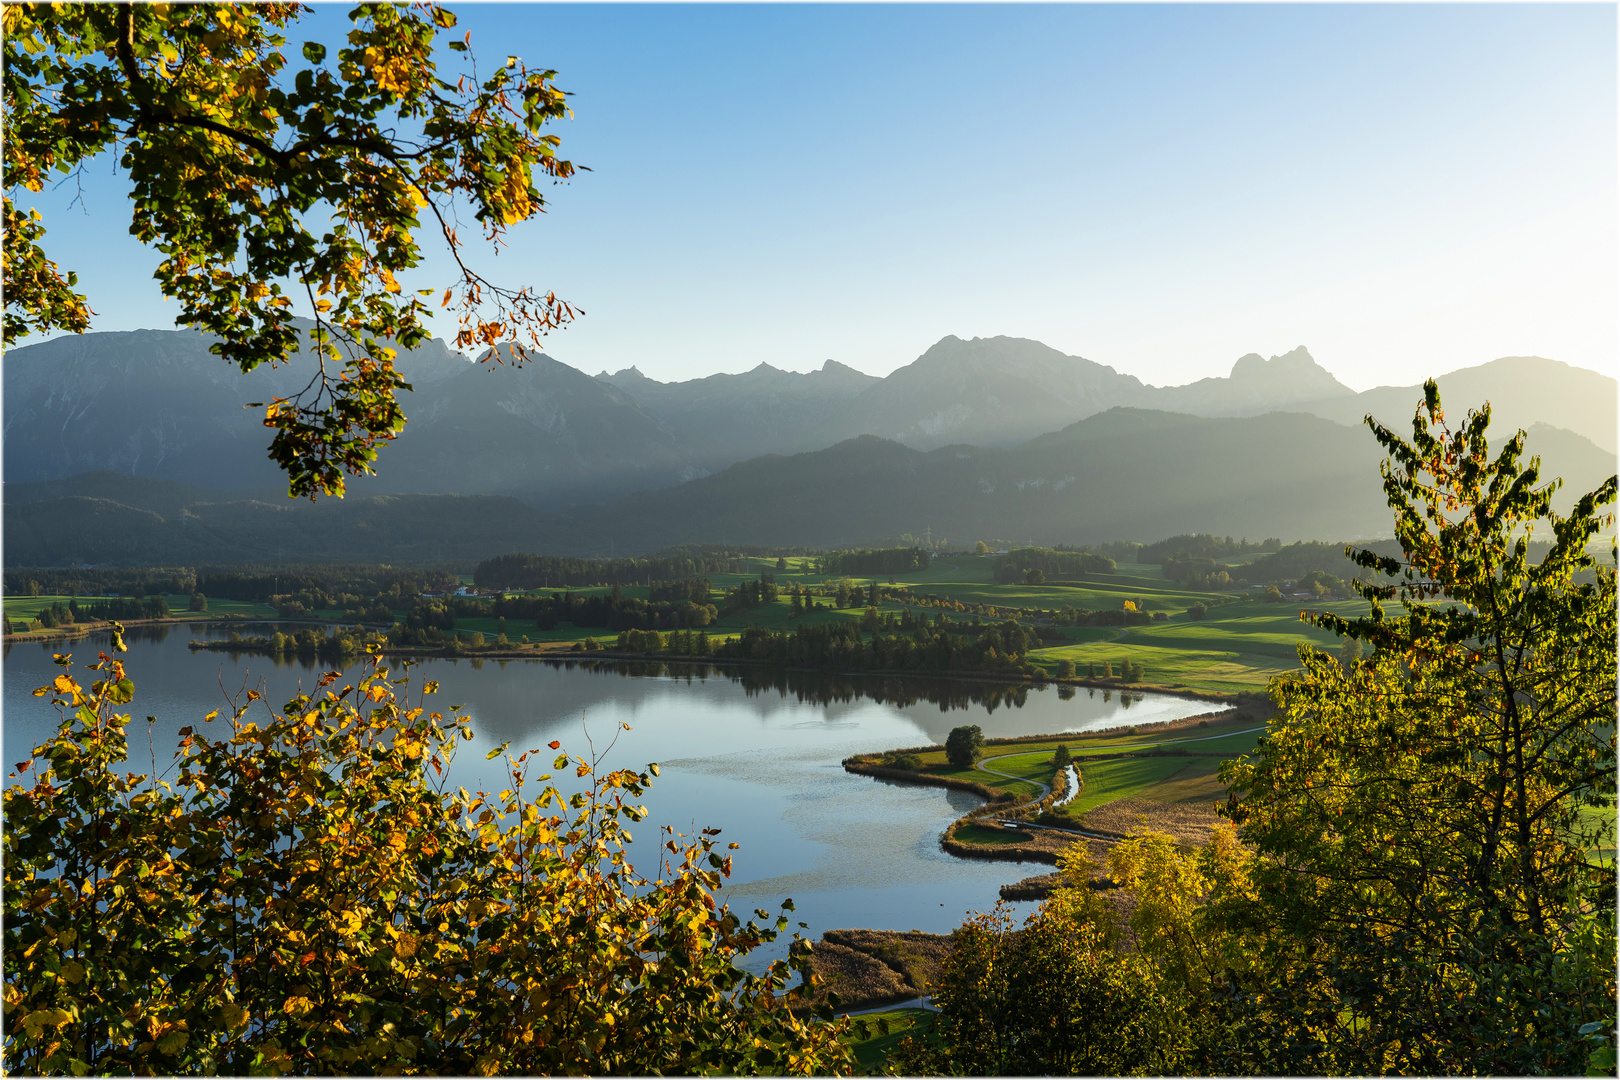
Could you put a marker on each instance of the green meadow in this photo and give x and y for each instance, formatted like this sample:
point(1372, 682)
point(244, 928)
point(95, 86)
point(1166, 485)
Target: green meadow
point(29, 607)
point(1237, 647)
point(1111, 777)
point(871, 1050)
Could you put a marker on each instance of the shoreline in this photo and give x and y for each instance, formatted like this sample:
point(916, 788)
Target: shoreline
point(1215, 697)
point(559, 651)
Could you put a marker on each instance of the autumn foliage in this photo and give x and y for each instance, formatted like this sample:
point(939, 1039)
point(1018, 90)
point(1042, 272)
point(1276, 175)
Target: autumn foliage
point(280, 181)
point(300, 892)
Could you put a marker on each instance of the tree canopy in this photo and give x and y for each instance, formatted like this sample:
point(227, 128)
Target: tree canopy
point(964, 745)
point(1427, 812)
point(269, 178)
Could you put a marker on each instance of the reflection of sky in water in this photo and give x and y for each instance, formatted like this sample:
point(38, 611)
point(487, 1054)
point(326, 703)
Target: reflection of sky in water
point(755, 761)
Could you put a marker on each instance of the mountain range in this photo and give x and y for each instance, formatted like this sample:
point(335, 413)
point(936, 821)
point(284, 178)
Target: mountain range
point(134, 447)
point(158, 404)
point(1122, 474)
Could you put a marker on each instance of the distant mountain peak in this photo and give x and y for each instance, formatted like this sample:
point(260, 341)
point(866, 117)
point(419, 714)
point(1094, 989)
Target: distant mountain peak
point(1293, 376)
point(835, 374)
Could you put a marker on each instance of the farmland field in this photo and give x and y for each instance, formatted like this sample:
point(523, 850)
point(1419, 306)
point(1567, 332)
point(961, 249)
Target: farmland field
point(29, 607)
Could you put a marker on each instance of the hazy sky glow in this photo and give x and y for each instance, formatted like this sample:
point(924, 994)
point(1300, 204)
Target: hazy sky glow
point(1403, 189)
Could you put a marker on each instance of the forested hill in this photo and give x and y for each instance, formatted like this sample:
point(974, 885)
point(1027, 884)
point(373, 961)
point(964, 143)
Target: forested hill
point(1126, 474)
point(1121, 475)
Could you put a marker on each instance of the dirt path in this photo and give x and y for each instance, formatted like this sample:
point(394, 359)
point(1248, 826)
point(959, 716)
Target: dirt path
point(982, 763)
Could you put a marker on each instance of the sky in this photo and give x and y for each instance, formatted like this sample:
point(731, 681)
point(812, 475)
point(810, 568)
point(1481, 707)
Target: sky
point(1403, 189)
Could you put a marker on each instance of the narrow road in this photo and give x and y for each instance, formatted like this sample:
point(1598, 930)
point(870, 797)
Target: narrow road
point(1168, 742)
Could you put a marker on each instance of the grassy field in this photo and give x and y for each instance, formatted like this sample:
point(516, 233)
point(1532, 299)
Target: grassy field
point(29, 607)
point(1603, 817)
point(1237, 647)
point(1104, 780)
point(936, 764)
point(872, 1050)
point(979, 834)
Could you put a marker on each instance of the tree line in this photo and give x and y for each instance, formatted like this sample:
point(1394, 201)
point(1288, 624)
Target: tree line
point(431, 621)
point(341, 646)
point(1202, 546)
point(253, 583)
point(993, 649)
point(527, 572)
point(1051, 563)
point(866, 562)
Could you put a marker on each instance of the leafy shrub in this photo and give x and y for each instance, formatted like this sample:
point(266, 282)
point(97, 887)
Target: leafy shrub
point(298, 895)
point(1049, 999)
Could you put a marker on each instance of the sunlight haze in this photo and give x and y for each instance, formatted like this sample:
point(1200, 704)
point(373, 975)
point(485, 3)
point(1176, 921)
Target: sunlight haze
point(1402, 189)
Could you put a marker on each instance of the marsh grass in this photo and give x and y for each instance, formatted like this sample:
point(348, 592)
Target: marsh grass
point(866, 968)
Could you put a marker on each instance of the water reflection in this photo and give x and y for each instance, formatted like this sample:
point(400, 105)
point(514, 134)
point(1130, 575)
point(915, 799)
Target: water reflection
point(753, 750)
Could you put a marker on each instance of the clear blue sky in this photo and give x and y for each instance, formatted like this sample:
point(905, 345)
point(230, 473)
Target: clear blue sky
point(1403, 189)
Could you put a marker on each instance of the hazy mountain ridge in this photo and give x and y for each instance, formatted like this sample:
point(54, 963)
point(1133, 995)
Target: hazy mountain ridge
point(1255, 384)
point(157, 404)
point(1523, 391)
point(1123, 474)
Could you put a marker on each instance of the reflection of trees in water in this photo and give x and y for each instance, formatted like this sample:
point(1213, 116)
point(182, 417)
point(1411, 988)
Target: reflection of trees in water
point(156, 632)
point(827, 688)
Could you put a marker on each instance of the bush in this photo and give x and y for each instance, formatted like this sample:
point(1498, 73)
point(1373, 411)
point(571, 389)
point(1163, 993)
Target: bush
point(1197, 612)
point(199, 602)
point(1065, 669)
point(1050, 999)
point(367, 928)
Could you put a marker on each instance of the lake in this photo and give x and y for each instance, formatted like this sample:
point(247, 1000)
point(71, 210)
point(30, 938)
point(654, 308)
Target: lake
point(754, 752)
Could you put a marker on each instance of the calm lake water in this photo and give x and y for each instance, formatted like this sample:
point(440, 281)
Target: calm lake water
point(751, 751)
